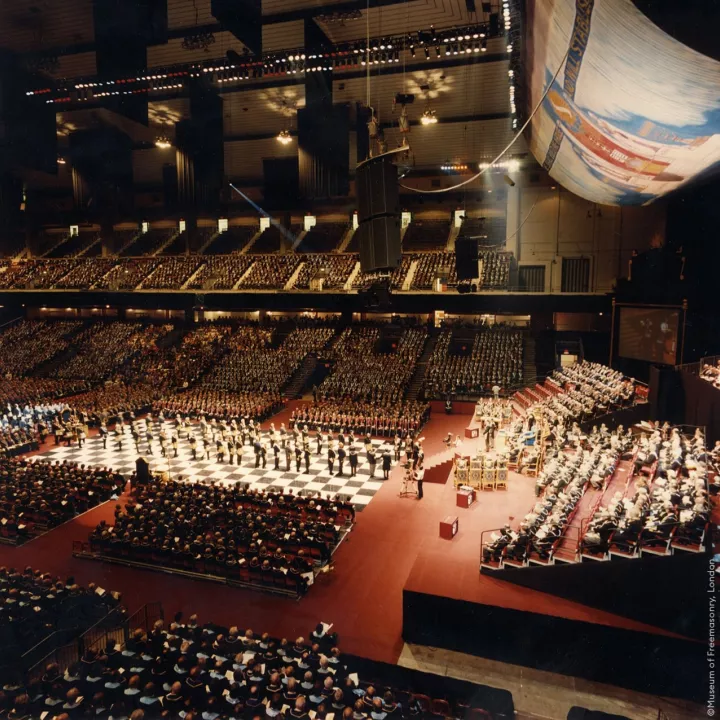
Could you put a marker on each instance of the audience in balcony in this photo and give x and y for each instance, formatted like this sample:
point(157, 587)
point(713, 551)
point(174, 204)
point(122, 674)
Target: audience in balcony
point(495, 270)
point(221, 272)
point(220, 404)
point(86, 273)
point(334, 269)
point(494, 358)
point(429, 266)
point(711, 373)
point(270, 272)
point(172, 273)
point(127, 274)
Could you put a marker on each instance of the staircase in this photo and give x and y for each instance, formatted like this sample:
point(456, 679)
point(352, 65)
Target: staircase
point(206, 244)
point(356, 270)
point(300, 237)
point(250, 243)
point(162, 247)
point(529, 367)
point(245, 274)
point(298, 381)
point(290, 284)
point(192, 277)
point(407, 282)
point(420, 368)
point(346, 239)
point(452, 237)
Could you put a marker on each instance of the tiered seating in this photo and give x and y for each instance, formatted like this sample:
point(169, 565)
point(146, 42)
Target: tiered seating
point(74, 245)
point(37, 390)
point(495, 269)
point(428, 266)
point(148, 243)
point(29, 343)
point(221, 272)
point(271, 540)
point(492, 356)
point(103, 347)
point(364, 375)
point(397, 277)
point(223, 405)
point(270, 272)
point(127, 274)
point(37, 496)
point(323, 238)
point(233, 240)
point(426, 235)
point(253, 365)
point(173, 273)
point(34, 605)
point(336, 270)
point(34, 273)
point(275, 238)
point(86, 273)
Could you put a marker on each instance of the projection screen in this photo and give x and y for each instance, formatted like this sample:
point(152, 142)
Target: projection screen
point(632, 115)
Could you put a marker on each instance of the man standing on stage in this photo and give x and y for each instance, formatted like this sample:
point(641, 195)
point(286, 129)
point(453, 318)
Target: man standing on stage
point(386, 462)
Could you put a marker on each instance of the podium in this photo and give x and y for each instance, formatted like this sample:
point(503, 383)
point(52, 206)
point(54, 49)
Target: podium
point(449, 527)
point(465, 497)
point(472, 432)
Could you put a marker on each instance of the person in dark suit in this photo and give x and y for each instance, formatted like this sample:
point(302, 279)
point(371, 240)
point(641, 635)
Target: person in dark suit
point(331, 458)
point(298, 458)
point(306, 456)
point(341, 458)
point(372, 460)
point(193, 447)
point(318, 439)
point(257, 448)
point(353, 461)
point(288, 455)
point(386, 463)
point(276, 453)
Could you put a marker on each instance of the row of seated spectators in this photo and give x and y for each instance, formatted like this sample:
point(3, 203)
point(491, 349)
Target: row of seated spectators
point(103, 347)
point(29, 343)
point(361, 373)
point(233, 531)
point(270, 272)
point(429, 266)
point(711, 373)
point(253, 365)
point(334, 269)
point(22, 426)
point(35, 496)
point(666, 500)
point(495, 357)
point(397, 277)
point(221, 404)
point(221, 272)
point(38, 390)
point(113, 400)
point(173, 273)
point(194, 671)
point(495, 269)
point(35, 604)
point(363, 418)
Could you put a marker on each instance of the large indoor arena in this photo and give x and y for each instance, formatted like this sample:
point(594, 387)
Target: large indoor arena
point(359, 359)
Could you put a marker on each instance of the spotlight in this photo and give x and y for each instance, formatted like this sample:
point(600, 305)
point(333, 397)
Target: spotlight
point(483, 45)
point(412, 51)
point(427, 53)
point(284, 137)
point(61, 160)
point(428, 118)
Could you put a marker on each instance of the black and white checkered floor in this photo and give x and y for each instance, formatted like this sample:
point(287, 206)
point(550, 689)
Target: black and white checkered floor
point(359, 489)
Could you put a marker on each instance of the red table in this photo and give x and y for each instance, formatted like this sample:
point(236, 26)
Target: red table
point(449, 527)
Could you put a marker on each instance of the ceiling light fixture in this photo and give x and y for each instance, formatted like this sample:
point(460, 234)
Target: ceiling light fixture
point(284, 137)
point(163, 142)
point(428, 118)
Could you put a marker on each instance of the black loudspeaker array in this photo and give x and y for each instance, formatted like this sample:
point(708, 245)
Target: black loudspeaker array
point(467, 264)
point(378, 215)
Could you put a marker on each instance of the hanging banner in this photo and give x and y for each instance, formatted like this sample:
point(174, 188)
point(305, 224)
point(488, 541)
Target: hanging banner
point(632, 114)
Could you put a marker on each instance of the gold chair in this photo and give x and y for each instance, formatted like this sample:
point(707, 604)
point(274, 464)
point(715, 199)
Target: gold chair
point(501, 477)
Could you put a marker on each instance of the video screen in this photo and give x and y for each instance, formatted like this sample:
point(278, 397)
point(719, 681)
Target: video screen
point(649, 334)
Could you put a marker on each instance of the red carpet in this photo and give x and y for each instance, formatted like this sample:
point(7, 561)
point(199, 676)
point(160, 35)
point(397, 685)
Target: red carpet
point(394, 543)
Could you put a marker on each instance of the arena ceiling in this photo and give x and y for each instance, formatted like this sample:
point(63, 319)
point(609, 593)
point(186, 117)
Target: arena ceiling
point(469, 95)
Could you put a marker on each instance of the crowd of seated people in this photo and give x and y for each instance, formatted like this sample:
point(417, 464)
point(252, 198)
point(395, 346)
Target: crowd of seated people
point(711, 373)
point(220, 404)
point(229, 531)
point(221, 272)
point(127, 274)
point(495, 269)
point(86, 273)
point(668, 498)
point(37, 390)
point(34, 273)
point(28, 343)
point(209, 672)
point(178, 365)
point(270, 272)
point(363, 418)
point(496, 358)
point(43, 495)
point(429, 265)
point(397, 277)
point(335, 269)
point(34, 604)
point(21, 426)
point(172, 273)
point(362, 375)
point(253, 365)
point(110, 400)
point(103, 347)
